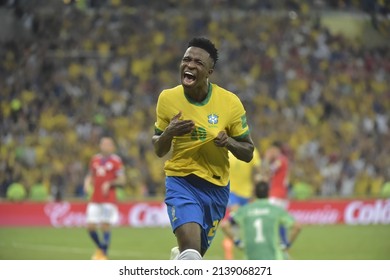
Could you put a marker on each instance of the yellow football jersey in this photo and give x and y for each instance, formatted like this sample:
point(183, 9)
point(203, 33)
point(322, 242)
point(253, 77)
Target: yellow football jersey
point(241, 174)
point(196, 153)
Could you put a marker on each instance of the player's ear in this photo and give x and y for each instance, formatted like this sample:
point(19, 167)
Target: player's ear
point(211, 71)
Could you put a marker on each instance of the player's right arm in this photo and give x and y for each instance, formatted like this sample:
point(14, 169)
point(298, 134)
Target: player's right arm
point(162, 141)
point(88, 181)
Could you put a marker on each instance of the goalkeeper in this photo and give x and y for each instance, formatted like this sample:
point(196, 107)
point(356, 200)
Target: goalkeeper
point(259, 222)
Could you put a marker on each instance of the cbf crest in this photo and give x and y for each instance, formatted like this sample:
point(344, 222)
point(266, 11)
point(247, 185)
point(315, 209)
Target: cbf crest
point(212, 118)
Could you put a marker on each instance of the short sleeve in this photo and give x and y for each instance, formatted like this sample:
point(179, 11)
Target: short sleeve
point(161, 113)
point(238, 126)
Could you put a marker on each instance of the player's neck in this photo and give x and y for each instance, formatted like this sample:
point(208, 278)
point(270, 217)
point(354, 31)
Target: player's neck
point(198, 94)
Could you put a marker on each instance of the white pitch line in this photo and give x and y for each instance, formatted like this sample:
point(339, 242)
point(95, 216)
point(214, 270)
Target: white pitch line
point(53, 248)
point(83, 251)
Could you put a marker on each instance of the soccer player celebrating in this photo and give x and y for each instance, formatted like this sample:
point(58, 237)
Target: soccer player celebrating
point(259, 221)
point(105, 173)
point(202, 122)
point(277, 165)
point(243, 176)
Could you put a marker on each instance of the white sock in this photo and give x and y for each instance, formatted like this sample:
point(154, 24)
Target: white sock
point(189, 254)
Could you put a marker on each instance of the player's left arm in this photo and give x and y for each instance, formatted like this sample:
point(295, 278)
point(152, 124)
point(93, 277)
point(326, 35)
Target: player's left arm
point(236, 136)
point(120, 180)
point(241, 148)
point(227, 228)
point(294, 232)
point(120, 177)
point(294, 227)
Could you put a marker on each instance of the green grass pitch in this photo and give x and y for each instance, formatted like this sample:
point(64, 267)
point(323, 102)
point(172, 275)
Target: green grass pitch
point(337, 242)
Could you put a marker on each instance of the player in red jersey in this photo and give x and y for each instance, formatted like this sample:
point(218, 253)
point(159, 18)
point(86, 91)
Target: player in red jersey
point(105, 173)
point(277, 166)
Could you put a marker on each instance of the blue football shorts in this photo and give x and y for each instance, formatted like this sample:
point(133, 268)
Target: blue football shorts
point(235, 199)
point(191, 199)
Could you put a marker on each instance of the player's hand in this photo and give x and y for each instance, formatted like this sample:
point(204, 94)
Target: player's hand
point(106, 187)
point(179, 127)
point(222, 139)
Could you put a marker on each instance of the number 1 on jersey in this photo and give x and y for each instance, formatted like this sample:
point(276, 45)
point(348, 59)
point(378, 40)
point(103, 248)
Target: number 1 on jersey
point(258, 225)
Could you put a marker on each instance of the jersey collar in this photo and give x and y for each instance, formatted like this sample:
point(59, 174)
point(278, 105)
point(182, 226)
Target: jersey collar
point(204, 102)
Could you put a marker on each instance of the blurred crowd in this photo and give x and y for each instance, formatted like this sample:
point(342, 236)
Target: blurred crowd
point(83, 72)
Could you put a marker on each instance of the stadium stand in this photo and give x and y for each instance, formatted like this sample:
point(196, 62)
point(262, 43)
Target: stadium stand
point(71, 72)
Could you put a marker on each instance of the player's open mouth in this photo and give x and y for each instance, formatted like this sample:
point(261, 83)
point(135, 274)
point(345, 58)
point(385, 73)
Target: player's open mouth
point(188, 78)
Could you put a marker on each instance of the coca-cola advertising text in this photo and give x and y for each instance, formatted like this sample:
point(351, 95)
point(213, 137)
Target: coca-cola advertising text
point(66, 214)
point(154, 214)
point(350, 212)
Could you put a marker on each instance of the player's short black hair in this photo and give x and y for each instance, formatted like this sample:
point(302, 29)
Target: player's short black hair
point(261, 189)
point(207, 45)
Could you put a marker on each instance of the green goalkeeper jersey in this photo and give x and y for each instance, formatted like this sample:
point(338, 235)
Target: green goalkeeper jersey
point(259, 222)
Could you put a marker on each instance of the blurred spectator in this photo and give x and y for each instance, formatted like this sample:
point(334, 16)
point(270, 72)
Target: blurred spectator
point(79, 71)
